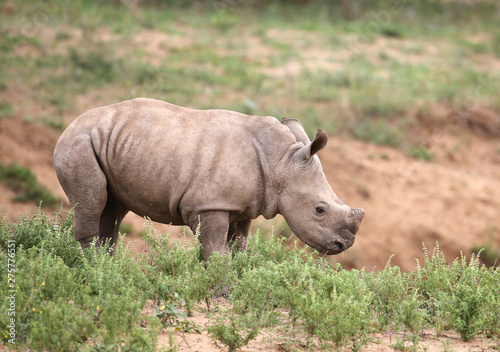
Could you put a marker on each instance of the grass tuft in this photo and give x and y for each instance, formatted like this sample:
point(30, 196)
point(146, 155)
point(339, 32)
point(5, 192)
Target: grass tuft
point(420, 153)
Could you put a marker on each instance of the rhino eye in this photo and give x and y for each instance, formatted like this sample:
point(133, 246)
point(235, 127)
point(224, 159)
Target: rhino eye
point(320, 210)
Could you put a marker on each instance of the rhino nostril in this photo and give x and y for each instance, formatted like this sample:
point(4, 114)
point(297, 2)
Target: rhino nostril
point(339, 245)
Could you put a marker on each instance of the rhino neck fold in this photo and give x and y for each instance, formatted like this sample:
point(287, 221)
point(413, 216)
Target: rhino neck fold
point(271, 156)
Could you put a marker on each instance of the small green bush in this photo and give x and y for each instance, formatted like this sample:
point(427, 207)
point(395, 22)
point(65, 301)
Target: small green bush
point(340, 319)
point(233, 330)
point(54, 236)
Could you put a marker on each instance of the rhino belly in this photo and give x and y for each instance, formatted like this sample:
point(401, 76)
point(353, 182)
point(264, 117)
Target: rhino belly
point(146, 202)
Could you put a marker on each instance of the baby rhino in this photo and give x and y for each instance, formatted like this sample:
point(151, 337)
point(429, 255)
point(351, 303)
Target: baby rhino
point(214, 168)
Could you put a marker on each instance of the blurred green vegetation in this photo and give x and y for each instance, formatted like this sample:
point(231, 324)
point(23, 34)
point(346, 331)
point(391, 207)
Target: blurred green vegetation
point(25, 185)
point(360, 68)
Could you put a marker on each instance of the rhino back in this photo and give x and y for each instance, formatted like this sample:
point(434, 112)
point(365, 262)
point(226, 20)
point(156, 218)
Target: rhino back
point(165, 161)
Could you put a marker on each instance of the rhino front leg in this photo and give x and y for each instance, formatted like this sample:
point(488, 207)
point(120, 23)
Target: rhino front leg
point(213, 231)
point(238, 233)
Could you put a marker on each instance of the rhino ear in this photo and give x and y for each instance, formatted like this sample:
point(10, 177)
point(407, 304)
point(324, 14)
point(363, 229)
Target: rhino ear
point(318, 143)
point(297, 129)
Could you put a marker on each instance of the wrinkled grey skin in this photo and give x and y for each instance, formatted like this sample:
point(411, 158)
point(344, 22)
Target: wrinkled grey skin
point(181, 166)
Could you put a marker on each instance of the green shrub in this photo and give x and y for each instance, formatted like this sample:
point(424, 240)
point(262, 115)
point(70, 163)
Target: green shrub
point(168, 265)
point(466, 300)
point(455, 294)
point(389, 290)
point(490, 305)
point(256, 289)
point(412, 316)
point(97, 300)
point(54, 236)
point(170, 316)
point(66, 297)
point(203, 282)
point(339, 319)
point(233, 330)
point(60, 325)
point(168, 257)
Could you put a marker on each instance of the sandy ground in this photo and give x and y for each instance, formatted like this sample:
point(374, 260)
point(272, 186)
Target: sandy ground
point(277, 341)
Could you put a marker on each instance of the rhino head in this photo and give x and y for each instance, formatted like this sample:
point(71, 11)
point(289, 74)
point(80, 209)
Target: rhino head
point(307, 201)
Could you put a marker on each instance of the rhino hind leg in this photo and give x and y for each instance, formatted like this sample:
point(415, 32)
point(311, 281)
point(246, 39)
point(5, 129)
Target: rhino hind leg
point(238, 234)
point(111, 218)
point(84, 183)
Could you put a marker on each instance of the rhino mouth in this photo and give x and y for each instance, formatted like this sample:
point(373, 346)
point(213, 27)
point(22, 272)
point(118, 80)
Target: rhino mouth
point(338, 245)
point(335, 246)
